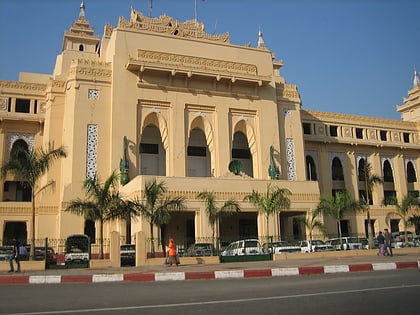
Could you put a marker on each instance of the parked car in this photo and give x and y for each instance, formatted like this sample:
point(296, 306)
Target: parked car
point(51, 258)
point(306, 246)
point(200, 249)
point(128, 255)
point(365, 242)
point(416, 240)
point(398, 239)
point(280, 247)
point(348, 243)
point(243, 247)
point(5, 253)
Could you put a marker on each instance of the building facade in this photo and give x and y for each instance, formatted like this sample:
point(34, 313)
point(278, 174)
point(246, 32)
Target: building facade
point(183, 106)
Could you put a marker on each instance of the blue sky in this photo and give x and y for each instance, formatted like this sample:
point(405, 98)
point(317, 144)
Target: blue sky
point(346, 56)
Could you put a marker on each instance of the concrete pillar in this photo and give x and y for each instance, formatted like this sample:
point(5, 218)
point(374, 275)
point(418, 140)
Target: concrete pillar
point(141, 254)
point(115, 254)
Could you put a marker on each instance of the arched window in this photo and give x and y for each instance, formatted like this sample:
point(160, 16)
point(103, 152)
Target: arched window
point(337, 169)
point(361, 170)
point(152, 152)
point(19, 149)
point(310, 168)
point(242, 153)
point(81, 47)
point(198, 155)
point(387, 170)
point(411, 173)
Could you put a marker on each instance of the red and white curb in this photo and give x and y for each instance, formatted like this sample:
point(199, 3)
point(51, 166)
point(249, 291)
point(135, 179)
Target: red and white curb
point(222, 274)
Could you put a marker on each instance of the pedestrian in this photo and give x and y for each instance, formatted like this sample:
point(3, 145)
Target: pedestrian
point(388, 238)
point(173, 256)
point(15, 256)
point(381, 244)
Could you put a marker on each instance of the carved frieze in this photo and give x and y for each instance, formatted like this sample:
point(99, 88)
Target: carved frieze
point(4, 101)
point(215, 66)
point(24, 87)
point(91, 70)
point(288, 91)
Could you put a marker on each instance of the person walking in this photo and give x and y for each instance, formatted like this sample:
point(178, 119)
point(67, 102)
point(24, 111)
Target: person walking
point(15, 256)
point(173, 256)
point(381, 244)
point(388, 238)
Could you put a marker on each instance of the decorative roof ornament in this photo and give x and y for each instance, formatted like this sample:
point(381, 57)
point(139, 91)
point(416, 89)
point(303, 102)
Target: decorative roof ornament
point(416, 81)
point(170, 26)
point(82, 13)
point(260, 40)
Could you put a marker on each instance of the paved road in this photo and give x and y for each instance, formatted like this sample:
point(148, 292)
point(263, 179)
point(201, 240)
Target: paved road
point(386, 292)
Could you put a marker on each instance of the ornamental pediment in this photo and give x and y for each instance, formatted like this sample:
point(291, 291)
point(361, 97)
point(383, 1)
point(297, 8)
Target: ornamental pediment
point(167, 25)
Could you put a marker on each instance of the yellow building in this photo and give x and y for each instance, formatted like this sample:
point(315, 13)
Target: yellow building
point(189, 103)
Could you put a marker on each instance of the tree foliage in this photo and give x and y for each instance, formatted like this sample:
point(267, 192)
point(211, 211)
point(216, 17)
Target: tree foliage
point(156, 206)
point(103, 204)
point(29, 166)
point(338, 207)
point(402, 211)
point(271, 202)
point(215, 213)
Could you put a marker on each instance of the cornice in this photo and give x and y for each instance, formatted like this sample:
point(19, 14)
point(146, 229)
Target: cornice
point(355, 119)
point(22, 87)
point(219, 69)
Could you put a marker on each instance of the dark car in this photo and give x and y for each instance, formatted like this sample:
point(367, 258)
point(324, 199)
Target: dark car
point(200, 249)
point(5, 253)
point(128, 255)
point(51, 255)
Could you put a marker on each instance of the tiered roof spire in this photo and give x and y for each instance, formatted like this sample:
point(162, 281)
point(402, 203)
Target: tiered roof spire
point(82, 13)
point(416, 81)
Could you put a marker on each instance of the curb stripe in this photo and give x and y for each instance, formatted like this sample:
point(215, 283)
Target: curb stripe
point(107, 277)
point(276, 272)
point(257, 273)
point(202, 275)
point(193, 275)
point(384, 266)
point(14, 280)
point(225, 274)
point(310, 270)
point(165, 276)
point(44, 279)
point(360, 267)
point(336, 269)
point(70, 279)
point(139, 277)
point(406, 264)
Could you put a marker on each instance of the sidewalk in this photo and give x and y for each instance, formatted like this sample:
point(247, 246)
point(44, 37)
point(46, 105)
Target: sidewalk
point(305, 264)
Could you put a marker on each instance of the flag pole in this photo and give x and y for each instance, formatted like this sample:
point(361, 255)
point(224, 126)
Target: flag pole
point(196, 18)
point(150, 7)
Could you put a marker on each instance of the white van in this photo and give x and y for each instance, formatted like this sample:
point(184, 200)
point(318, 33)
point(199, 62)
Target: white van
point(243, 247)
point(348, 243)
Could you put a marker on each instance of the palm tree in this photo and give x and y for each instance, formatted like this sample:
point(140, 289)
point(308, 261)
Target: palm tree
point(271, 202)
point(103, 204)
point(311, 223)
point(214, 213)
point(156, 207)
point(370, 181)
point(29, 166)
point(415, 220)
point(337, 207)
point(402, 209)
